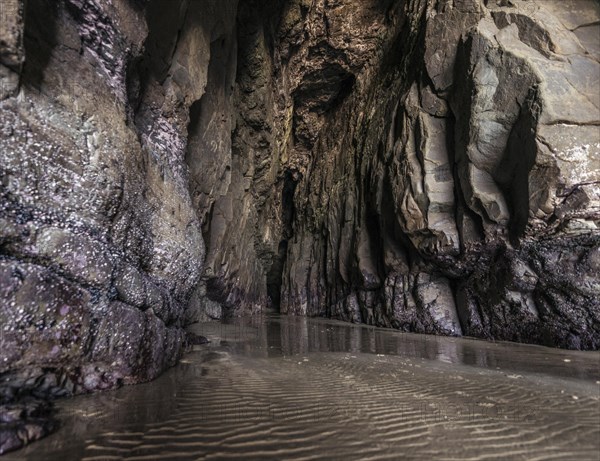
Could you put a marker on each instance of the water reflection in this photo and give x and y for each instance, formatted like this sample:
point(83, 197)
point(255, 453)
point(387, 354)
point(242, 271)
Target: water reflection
point(296, 388)
point(275, 335)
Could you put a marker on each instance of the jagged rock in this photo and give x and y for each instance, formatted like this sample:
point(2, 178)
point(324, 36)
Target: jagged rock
point(464, 172)
point(23, 423)
point(195, 340)
point(426, 165)
point(12, 53)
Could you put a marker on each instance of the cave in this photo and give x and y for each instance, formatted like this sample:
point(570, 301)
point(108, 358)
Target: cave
point(299, 229)
point(275, 274)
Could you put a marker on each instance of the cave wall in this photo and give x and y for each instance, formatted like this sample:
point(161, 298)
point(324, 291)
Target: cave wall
point(455, 190)
point(140, 189)
point(427, 165)
point(101, 245)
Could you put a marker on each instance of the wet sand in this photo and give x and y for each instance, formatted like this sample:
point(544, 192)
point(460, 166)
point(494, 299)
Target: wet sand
point(278, 388)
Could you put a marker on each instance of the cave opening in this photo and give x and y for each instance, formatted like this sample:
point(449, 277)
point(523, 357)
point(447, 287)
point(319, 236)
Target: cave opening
point(288, 212)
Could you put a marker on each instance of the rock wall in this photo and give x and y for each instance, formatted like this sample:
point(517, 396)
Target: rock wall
point(455, 190)
point(427, 165)
point(101, 245)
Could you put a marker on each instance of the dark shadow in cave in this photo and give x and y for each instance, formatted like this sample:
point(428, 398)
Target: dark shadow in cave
point(519, 157)
point(288, 212)
point(40, 32)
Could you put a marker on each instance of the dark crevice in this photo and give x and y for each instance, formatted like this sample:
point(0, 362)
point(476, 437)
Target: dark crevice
point(41, 18)
point(346, 87)
point(275, 274)
point(288, 212)
point(193, 133)
point(518, 160)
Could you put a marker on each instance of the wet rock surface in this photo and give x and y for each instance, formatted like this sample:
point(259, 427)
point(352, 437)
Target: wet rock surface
point(24, 422)
point(432, 200)
point(426, 165)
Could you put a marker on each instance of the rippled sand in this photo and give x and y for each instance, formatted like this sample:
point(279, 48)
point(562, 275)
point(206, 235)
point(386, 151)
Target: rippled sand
point(295, 388)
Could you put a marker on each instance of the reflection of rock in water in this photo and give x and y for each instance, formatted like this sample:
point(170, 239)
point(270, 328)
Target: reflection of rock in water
point(297, 388)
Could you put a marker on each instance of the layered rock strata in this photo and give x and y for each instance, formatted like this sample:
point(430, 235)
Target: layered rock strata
point(455, 191)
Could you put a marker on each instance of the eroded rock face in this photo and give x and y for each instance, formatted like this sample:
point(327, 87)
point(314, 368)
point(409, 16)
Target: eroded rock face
point(426, 165)
point(433, 198)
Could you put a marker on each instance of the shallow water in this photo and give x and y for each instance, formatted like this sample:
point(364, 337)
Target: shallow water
point(275, 388)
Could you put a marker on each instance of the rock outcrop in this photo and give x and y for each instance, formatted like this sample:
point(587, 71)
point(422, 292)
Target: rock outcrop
point(455, 190)
point(427, 165)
